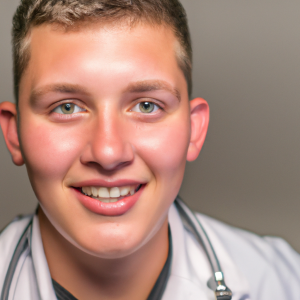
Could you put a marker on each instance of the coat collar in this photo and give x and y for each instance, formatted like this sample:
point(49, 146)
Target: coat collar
point(40, 264)
point(190, 270)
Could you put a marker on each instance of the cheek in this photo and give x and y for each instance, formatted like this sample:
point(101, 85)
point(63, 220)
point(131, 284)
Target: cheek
point(49, 151)
point(164, 148)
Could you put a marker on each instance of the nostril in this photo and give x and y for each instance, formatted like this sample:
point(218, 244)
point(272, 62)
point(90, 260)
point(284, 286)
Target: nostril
point(106, 155)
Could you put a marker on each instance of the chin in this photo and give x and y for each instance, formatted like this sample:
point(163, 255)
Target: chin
point(110, 241)
point(108, 249)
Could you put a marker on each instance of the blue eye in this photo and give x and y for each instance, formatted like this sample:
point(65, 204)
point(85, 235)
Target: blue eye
point(145, 107)
point(68, 109)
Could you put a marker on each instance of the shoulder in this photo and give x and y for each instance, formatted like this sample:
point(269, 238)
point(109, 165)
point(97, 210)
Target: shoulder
point(265, 248)
point(264, 261)
point(13, 231)
point(9, 238)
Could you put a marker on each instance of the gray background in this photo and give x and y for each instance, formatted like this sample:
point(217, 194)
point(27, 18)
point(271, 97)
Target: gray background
point(247, 66)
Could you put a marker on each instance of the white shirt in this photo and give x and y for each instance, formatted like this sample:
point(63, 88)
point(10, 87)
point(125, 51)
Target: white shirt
point(254, 267)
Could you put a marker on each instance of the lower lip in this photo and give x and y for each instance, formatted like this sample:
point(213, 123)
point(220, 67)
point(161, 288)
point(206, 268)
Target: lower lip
point(109, 209)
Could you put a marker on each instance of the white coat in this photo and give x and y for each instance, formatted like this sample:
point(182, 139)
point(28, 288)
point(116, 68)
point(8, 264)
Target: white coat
point(254, 268)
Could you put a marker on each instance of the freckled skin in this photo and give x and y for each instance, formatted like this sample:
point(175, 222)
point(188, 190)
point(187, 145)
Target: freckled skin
point(110, 140)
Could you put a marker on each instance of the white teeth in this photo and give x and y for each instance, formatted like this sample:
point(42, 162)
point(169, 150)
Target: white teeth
point(89, 191)
point(131, 191)
point(105, 200)
point(108, 195)
point(94, 192)
point(103, 192)
point(84, 190)
point(108, 200)
point(113, 200)
point(114, 192)
point(124, 190)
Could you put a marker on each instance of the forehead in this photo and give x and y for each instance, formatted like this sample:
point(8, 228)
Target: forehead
point(137, 53)
point(139, 37)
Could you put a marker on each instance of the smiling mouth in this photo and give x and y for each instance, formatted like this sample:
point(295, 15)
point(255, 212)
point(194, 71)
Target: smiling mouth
point(110, 195)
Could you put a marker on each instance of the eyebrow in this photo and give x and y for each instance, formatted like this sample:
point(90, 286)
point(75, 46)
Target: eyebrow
point(63, 88)
point(152, 85)
point(136, 87)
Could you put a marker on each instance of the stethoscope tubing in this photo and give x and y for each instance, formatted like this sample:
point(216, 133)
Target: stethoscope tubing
point(200, 233)
point(21, 247)
point(222, 292)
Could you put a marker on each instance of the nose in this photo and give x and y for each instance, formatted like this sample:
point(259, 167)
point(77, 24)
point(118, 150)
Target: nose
point(109, 146)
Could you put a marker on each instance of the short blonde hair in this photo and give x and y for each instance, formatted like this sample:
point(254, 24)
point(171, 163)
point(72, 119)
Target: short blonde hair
point(69, 13)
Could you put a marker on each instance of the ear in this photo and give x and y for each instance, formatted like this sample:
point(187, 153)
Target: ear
point(199, 125)
point(8, 122)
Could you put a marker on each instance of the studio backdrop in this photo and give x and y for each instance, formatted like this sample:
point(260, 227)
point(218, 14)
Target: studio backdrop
point(247, 66)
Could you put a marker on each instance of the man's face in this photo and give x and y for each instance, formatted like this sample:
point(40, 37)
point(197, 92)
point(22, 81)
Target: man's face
point(105, 132)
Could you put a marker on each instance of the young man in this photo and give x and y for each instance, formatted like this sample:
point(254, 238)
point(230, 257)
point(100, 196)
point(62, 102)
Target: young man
point(104, 125)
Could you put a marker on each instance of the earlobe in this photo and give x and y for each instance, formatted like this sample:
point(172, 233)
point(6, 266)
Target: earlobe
point(8, 122)
point(199, 125)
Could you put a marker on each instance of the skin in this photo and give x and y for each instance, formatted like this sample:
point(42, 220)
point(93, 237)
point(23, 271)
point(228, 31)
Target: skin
point(106, 72)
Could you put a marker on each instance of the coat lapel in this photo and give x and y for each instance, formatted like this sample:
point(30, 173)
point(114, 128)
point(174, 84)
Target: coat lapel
point(190, 269)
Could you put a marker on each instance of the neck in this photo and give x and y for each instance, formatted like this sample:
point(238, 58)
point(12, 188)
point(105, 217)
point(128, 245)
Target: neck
point(90, 277)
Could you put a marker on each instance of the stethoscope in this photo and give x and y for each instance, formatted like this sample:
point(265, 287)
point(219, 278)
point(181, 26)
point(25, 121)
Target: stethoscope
point(222, 292)
point(217, 282)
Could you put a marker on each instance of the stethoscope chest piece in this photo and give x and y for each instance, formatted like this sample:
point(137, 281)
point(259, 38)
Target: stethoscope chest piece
point(223, 295)
point(216, 283)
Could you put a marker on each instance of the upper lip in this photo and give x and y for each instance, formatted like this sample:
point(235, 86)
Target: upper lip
point(105, 183)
